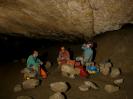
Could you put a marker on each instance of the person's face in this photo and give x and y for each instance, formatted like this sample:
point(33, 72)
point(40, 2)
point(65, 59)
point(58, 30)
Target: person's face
point(62, 49)
point(35, 54)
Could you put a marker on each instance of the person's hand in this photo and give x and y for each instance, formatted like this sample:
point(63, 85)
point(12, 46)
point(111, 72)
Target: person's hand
point(41, 63)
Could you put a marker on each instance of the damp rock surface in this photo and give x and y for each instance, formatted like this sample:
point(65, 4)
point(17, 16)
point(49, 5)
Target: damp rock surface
point(63, 19)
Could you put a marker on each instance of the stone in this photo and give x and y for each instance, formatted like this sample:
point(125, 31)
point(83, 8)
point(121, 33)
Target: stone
point(30, 83)
point(17, 88)
point(104, 69)
point(108, 64)
point(57, 95)
point(118, 81)
point(77, 71)
point(59, 86)
point(25, 70)
point(47, 19)
point(83, 88)
point(111, 88)
point(68, 69)
point(29, 75)
point(91, 85)
point(24, 97)
point(115, 72)
point(65, 74)
point(72, 76)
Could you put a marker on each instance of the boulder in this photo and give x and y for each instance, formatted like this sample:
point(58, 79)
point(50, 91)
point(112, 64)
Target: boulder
point(105, 68)
point(30, 83)
point(83, 88)
point(17, 88)
point(115, 72)
point(111, 88)
point(25, 70)
point(24, 97)
point(108, 64)
point(118, 81)
point(91, 85)
point(57, 95)
point(59, 86)
point(68, 69)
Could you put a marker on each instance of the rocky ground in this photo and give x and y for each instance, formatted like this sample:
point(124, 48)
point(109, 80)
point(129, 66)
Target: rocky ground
point(116, 46)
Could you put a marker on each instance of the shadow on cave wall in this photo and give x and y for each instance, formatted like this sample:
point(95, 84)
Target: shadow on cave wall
point(14, 48)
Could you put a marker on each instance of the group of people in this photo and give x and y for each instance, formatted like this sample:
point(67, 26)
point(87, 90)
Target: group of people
point(34, 63)
point(64, 54)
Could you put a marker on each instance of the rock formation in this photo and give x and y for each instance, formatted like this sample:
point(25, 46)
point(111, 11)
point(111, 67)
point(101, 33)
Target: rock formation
point(63, 19)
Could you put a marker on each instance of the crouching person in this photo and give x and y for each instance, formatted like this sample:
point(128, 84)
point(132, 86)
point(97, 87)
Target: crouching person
point(34, 65)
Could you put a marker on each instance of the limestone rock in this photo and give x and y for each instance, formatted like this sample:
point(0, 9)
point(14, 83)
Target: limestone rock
point(72, 76)
point(105, 68)
point(115, 72)
point(27, 73)
point(83, 88)
point(25, 70)
point(63, 19)
point(91, 85)
point(111, 88)
point(30, 83)
point(68, 69)
point(59, 87)
point(17, 88)
point(118, 81)
point(57, 95)
point(24, 97)
point(108, 64)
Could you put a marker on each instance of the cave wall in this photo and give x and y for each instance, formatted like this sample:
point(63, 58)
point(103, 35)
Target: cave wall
point(63, 19)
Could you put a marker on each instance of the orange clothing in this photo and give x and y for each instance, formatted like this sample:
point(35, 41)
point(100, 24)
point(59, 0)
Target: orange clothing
point(64, 56)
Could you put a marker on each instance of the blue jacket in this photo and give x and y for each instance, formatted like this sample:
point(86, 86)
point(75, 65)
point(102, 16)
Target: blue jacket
point(33, 62)
point(88, 53)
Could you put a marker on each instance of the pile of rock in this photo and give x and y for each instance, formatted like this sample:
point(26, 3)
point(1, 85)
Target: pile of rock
point(27, 83)
point(58, 88)
point(114, 72)
point(107, 69)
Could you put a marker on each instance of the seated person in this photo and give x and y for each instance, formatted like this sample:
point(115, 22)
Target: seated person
point(63, 57)
point(33, 62)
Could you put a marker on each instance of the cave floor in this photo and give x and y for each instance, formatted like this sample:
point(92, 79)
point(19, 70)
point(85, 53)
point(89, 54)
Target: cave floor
point(11, 77)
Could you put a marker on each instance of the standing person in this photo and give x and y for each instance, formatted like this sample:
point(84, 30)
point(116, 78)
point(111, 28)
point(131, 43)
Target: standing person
point(64, 56)
point(33, 62)
point(88, 52)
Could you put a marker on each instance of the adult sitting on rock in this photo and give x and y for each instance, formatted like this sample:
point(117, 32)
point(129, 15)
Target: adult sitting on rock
point(63, 57)
point(34, 63)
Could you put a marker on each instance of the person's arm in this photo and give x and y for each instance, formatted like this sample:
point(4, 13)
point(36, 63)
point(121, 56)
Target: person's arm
point(39, 61)
point(83, 46)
